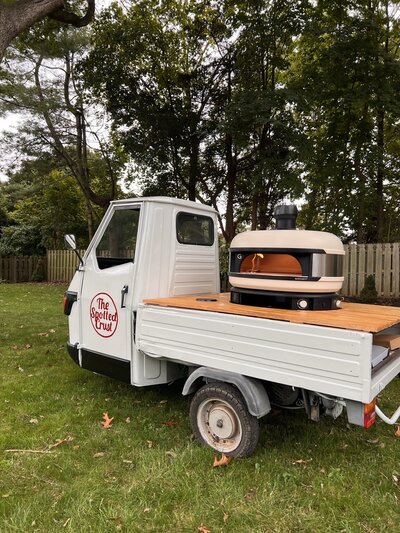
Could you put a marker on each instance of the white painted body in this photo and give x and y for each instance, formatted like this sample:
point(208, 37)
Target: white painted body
point(156, 343)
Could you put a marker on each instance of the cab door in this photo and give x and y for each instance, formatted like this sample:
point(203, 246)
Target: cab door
point(106, 297)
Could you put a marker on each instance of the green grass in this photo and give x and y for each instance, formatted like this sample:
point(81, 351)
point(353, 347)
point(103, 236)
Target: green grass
point(347, 481)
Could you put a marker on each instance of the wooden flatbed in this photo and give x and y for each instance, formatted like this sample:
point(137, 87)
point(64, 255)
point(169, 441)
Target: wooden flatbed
point(352, 316)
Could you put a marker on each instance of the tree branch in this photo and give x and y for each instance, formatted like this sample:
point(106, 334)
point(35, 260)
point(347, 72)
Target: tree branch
point(68, 17)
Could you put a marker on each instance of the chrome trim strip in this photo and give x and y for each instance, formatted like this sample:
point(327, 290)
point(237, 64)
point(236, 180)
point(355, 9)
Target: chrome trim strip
point(327, 265)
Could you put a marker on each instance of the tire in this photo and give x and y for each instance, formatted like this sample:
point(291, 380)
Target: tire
point(220, 419)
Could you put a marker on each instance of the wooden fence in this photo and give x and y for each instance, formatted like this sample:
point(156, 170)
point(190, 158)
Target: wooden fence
point(62, 264)
point(361, 260)
point(380, 260)
point(21, 268)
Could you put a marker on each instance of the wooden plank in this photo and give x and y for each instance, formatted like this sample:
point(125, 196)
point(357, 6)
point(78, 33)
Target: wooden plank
point(353, 270)
point(370, 259)
point(387, 270)
point(362, 252)
point(345, 286)
point(378, 268)
point(396, 269)
point(356, 317)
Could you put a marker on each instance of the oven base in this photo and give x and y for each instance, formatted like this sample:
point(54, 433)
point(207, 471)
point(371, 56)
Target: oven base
point(286, 300)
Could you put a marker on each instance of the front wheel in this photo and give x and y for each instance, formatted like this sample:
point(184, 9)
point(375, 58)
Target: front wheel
point(219, 418)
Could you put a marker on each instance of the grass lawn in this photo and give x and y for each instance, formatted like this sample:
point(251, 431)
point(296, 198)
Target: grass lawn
point(145, 473)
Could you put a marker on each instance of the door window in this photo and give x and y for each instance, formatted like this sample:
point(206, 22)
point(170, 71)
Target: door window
point(118, 243)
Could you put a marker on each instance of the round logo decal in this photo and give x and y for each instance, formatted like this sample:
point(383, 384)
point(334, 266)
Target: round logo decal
point(104, 314)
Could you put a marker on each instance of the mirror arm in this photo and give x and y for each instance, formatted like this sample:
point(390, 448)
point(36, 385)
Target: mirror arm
point(79, 256)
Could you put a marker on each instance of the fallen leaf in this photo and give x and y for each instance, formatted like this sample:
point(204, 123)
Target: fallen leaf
point(118, 522)
point(66, 522)
point(226, 516)
point(381, 445)
point(61, 441)
point(128, 420)
point(14, 347)
point(250, 495)
point(34, 421)
point(127, 461)
point(99, 454)
point(373, 441)
point(21, 369)
point(172, 454)
point(224, 461)
point(45, 334)
point(203, 529)
point(170, 423)
point(163, 402)
point(322, 471)
point(27, 346)
point(397, 433)
point(52, 330)
point(149, 443)
point(302, 461)
point(107, 423)
point(147, 510)
point(76, 447)
point(395, 478)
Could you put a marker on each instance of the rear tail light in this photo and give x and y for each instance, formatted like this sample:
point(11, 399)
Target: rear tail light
point(69, 299)
point(369, 413)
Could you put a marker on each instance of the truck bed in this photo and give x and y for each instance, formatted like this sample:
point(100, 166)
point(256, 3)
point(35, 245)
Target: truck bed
point(328, 352)
point(352, 316)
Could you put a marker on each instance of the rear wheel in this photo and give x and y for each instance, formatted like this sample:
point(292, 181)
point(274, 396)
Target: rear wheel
point(220, 419)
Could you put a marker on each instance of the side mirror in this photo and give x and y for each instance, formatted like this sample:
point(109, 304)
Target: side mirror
point(70, 241)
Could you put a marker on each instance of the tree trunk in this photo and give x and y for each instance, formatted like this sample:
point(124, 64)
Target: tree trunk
point(231, 181)
point(380, 174)
point(254, 210)
point(193, 165)
point(20, 15)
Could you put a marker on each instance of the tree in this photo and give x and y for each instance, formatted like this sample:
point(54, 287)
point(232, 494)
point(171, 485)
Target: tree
point(260, 114)
point(202, 108)
point(42, 202)
point(42, 81)
point(16, 16)
point(346, 70)
point(172, 60)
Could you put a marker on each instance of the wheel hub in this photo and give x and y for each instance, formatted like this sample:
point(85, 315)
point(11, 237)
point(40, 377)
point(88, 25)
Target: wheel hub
point(222, 421)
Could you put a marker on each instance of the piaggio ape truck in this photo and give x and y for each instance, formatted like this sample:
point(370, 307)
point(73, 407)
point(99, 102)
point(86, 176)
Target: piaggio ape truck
point(145, 307)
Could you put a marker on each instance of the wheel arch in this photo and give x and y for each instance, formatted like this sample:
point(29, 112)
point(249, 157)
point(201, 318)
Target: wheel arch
point(252, 390)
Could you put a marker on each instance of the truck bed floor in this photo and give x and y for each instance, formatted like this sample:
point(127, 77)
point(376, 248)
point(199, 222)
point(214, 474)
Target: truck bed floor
point(352, 316)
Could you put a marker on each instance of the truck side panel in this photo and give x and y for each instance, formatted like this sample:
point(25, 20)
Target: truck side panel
point(326, 360)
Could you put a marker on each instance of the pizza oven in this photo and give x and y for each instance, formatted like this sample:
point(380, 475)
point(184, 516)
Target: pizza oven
point(285, 267)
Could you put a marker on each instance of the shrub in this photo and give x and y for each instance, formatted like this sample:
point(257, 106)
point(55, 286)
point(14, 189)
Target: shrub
point(369, 293)
point(39, 274)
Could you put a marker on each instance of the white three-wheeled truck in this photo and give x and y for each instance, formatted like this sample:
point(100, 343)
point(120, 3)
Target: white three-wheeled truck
point(144, 307)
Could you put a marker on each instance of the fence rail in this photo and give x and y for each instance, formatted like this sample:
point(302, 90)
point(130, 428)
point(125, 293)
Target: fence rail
point(361, 260)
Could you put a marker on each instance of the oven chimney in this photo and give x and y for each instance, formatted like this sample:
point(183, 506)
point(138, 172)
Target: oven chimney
point(285, 216)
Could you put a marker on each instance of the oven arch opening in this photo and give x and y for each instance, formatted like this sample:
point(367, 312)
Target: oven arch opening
point(273, 264)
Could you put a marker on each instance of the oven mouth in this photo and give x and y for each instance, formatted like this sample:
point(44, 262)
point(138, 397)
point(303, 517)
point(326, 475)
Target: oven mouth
point(285, 264)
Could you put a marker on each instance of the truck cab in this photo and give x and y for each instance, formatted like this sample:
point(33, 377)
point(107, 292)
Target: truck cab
point(144, 248)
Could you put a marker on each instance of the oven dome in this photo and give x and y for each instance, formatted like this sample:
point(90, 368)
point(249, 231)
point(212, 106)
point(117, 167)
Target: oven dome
point(289, 239)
